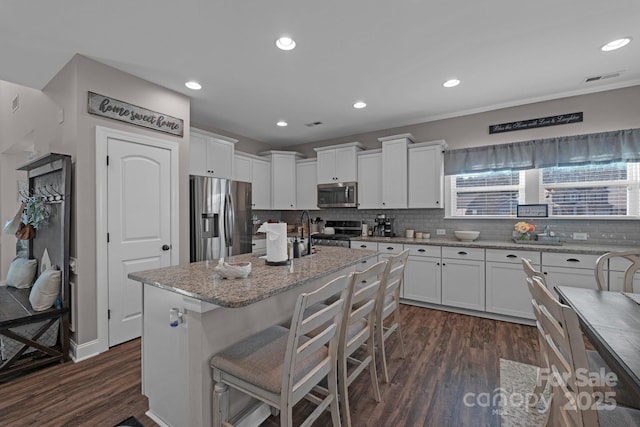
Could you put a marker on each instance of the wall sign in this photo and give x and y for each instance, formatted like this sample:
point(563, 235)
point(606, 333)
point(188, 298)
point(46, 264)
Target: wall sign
point(104, 106)
point(561, 119)
point(533, 211)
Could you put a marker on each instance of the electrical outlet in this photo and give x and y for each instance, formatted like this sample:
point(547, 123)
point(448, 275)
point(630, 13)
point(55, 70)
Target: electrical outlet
point(580, 236)
point(441, 231)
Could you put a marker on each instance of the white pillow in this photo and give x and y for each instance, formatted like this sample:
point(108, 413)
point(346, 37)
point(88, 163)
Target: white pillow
point(46, 289)
point(21, 272)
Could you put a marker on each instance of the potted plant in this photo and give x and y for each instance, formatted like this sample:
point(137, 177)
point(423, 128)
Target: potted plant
point(36, 214)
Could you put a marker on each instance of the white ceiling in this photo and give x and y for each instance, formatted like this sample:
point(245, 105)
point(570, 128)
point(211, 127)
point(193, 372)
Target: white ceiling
point(393, 54)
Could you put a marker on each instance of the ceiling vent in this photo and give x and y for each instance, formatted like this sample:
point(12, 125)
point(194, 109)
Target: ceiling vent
point(310, 125)
point(602, 77)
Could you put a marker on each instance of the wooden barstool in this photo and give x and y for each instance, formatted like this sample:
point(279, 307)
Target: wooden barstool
point(281, 366)
point(633, 256)
point(388, 305)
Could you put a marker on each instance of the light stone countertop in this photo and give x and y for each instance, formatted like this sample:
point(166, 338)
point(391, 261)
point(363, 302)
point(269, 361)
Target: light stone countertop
point(585, 248)
point(199, 279)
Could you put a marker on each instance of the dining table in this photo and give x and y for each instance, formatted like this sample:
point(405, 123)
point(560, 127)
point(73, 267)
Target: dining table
point(611, 322)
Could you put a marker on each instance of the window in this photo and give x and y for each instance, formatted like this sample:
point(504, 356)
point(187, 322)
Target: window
point(486, 194)
point(594, 190)
point(591, 190)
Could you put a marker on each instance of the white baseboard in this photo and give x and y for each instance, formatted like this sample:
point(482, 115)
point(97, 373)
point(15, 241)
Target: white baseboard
point(84, 351)
point(156, 419)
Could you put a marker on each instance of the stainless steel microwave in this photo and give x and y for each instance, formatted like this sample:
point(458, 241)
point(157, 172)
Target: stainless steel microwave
point(338, 195)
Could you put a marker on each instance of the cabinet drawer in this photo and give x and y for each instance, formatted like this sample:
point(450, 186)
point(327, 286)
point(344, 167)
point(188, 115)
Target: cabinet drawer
point(423, 250)
point(512, 256)
point(569, 260)
point(463, 253)
point(389, 248)
point(359, 244)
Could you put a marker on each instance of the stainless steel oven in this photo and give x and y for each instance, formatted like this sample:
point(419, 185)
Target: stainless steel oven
point(338, 195)
point(344, 231)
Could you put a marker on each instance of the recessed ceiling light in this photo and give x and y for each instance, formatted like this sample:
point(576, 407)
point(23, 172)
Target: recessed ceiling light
point(360, 104)
point(193, 85)
point(282, 123)
point(285, 43)
point(616, 44)
point(451, 83)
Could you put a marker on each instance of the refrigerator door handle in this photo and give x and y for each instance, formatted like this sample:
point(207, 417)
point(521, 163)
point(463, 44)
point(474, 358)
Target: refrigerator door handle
point(228, 220)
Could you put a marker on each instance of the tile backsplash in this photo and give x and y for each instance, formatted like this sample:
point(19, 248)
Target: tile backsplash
point(614, 232)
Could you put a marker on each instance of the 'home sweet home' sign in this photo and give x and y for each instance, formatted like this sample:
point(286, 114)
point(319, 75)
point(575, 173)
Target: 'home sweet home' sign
point(111, 108)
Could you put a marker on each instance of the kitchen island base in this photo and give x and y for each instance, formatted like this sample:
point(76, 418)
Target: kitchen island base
point(176, 376)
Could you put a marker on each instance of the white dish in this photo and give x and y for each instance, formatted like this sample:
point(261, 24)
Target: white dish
point(466, 236)
point(329, 230)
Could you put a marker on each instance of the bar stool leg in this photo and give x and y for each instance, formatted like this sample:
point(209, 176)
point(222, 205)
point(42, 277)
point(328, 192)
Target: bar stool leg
point(220, 404)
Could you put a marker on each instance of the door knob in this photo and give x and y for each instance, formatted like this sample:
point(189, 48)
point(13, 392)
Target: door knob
point(166, 247)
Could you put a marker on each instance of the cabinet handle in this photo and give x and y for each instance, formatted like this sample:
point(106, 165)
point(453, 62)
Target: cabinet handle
point(444, 263)
point(421, 250)
point(363, 246)
point(383, 203)
point(544, 273)
point(573, 260)
point(437, 263)
point(364, 262)
point(389, 248)
point(437, 202)
point(512, 256)
point(253, 244)
point(462, 253)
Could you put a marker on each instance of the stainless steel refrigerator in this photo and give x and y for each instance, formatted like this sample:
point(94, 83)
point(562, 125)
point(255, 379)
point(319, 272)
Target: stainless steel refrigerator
point(220, 217)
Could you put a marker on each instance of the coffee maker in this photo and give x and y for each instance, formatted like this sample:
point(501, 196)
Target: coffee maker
point(388, 227)
point(384, 226)
point(378, 229)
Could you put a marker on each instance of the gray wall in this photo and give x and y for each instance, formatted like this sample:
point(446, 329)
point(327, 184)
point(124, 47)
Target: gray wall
point(37, 124)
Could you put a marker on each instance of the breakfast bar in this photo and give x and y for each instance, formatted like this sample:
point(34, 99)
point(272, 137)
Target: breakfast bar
point(191, 313)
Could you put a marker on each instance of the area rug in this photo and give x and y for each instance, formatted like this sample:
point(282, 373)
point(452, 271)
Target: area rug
point(517, 382)
point(129, 422)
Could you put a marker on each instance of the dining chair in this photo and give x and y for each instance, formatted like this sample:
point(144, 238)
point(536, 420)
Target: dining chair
point(633, 256)
point(574, 402)
point(281, 366)
point(388, 306)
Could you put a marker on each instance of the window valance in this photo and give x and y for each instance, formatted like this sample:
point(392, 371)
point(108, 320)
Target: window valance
point(603, 147)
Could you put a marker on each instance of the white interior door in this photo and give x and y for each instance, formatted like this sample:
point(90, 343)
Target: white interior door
point(139, 227)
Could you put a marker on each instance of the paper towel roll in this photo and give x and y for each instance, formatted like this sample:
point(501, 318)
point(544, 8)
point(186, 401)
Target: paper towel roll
point(276, 241)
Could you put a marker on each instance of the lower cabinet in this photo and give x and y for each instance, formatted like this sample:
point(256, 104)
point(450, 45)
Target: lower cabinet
point(617, 267)
point(569, 269)
point(506, 287)
point(463, 283)
point(423, 274)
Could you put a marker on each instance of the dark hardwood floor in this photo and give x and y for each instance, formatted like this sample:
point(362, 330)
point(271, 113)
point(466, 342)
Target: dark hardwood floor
point(448, 356)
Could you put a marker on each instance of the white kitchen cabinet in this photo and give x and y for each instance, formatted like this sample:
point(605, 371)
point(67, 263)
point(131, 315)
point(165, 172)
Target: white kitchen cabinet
point(283, 178)
point(423, 274)
point(426, 175)
point(370, 179)
point(306, 186)
point(617, 267)
point(338, 163)
point(257, 171)
point(569, 269)
point(506, 286)
point(211, 154)
point(394, 171)
point(259, 246)
point(463, 281)
point(372, 246)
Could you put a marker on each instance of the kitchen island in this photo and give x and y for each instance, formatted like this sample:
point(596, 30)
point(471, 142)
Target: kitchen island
point(214, 313)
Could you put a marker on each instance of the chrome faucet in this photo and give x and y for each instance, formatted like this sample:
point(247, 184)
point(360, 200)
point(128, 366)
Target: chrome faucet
point(308, 230)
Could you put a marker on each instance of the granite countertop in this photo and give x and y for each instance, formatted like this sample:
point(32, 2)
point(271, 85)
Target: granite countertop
point(199, 279)
point(584, 248)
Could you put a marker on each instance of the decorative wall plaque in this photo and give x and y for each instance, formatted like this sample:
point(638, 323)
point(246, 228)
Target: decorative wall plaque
point(533, 211)
point(111, 108)
point(560, 119)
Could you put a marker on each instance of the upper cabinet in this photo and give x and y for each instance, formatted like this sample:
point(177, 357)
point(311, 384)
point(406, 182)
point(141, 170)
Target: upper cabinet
point(257, 171)
point(210, 154)
point(283, 178)
point(426, 174)
point(394, 171)
point(306, 188)
point(338, 163)
point(370, 179)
